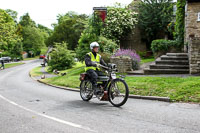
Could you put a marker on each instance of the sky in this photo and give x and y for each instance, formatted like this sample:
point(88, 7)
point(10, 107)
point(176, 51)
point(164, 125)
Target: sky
point(45, 11)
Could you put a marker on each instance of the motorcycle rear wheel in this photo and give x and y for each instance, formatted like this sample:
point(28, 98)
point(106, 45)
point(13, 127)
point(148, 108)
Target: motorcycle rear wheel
point(86, 91)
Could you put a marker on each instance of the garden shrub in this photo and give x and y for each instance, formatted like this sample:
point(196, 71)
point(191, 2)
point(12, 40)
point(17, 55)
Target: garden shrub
point(163, 46)
point(84, 45)
point(107, 45)
point(106, 57)
point(119, 22)
point(61, 57)
point(131, 54)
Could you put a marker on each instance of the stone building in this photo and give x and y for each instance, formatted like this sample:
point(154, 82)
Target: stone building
point(192, 19)
point(192, 34)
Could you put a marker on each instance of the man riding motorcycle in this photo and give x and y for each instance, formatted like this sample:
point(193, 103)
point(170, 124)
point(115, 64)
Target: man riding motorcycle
point(92, 62)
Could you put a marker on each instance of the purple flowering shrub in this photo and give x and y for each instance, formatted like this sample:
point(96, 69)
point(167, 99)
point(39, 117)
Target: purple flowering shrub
point(131, 54)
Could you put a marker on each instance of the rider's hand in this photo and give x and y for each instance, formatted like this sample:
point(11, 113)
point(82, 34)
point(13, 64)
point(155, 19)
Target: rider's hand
point(98, 65)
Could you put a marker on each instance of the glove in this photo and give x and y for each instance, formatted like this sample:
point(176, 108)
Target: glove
point(98, 65)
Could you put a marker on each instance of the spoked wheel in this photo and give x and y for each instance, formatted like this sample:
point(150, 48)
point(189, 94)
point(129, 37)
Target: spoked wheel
point(86, 90)
point(118, 92)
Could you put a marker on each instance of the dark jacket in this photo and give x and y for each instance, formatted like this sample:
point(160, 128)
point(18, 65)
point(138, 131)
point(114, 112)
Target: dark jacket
point(89, 63)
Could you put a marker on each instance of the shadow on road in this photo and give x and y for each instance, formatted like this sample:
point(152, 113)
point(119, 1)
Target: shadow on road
point(91, 105)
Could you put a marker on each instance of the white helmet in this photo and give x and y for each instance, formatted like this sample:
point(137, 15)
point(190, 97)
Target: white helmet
point(93, 44)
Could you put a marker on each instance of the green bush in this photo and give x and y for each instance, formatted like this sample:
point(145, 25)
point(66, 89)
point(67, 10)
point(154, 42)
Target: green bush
point(119, 22)
point(61, 57)
point(107, 45)
point(162, 45)
point(106, 57)
point(84, 45)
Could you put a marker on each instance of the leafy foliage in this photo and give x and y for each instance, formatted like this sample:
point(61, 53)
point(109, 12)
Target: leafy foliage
point(61, 57)
point(107, 45)
point(13, 14)
point(32, 40)
point(119, 22)
point(26, 20)
point(84, 44)
point(69, 29)
point(163, 45)
point(180, 21)
point(10, 40)
point(33, 36)
point(153, 18)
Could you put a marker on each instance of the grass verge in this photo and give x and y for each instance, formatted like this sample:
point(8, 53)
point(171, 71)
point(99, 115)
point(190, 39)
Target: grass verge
point(36, 71)
point(180, 89)
point(12, 65)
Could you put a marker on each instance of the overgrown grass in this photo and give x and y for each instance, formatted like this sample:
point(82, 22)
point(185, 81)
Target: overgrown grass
point(12, 65)
point(36, 71)
point(185, 89)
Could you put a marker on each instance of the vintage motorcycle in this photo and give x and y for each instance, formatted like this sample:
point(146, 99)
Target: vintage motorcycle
point(113, 89)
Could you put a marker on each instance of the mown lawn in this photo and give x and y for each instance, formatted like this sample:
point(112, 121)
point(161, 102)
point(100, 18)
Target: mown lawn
point(12, 65)
point(147, 60)
point(181, 89)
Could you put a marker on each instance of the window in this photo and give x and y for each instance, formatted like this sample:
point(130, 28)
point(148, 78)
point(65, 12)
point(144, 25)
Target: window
point(198, 17)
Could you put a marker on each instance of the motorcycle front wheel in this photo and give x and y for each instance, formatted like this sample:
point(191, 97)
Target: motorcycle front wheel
point(118, 92)
point(86, 91)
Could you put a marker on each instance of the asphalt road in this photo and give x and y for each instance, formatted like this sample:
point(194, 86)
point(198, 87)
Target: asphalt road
point(27, 106)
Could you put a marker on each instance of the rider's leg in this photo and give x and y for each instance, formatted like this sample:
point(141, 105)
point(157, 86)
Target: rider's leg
point(100, 73)
point(93, 78)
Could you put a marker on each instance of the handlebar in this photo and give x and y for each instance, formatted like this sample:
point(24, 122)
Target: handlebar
point(103, 66)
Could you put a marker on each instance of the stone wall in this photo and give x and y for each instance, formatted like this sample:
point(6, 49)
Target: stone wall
point(133, 41)
point(123, 64)
point(194, 55)
point(192, 26)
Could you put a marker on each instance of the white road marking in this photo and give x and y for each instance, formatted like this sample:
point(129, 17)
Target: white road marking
point(49, 117)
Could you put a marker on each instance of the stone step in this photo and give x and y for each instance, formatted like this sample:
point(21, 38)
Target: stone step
point(148, 71)
point(171, 62)
point(165, 57)
point(177, 54)
point(135, 72)
point(154, 66)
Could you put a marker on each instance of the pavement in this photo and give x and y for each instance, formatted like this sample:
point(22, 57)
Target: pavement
point(27, 106)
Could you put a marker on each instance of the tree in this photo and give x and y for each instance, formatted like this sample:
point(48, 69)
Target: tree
point(69, 29)
point(61, 57)
point(26, 20)
point(33, 40)
point(8, 32)
point(180, 21)
point(45, 29)
point(153, 18)
point(13, 14)
point(119, 22)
